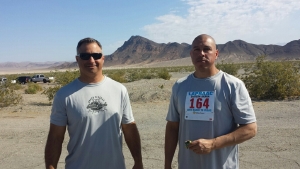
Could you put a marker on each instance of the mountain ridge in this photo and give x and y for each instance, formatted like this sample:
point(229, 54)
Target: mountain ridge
point(139, 50)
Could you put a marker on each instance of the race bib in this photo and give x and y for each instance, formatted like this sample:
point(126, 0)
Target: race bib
point(199, 105)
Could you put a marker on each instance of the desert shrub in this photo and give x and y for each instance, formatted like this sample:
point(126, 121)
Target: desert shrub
point(148, 74)
point(272, 80)
point(164, 74)
point(12, 86)
point(51, 91)
point(118, 76)
point(229, 68)
point(66, 77)
point(187, 69)
point(33, 88)
point(134, 76)
point(161, 86)
point(15, 86)
point(9, 97)
point(182, 69)
point(247, 66)
point(131, 75)
point(61, 79)
point(8, 94)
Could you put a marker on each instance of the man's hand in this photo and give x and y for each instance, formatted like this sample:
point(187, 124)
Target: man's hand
point(138, 166)
point(242, 133)
point(202, 146)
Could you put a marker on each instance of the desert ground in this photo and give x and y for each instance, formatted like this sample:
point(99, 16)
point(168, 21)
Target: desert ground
point(24, 129)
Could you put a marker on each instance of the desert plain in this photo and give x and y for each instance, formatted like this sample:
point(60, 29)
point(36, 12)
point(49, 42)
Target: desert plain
point(24, 128)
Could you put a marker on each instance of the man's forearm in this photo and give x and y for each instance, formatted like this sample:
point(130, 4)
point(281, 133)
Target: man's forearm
point(241, 134)
point(133, 141)
point(54, 145)
point(171, 139)
point(52, 153)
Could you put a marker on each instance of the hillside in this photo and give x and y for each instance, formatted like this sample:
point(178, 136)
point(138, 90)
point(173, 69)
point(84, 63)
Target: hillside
point(142, 51)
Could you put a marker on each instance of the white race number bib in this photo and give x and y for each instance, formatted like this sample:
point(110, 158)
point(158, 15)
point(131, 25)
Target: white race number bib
point(199, 105)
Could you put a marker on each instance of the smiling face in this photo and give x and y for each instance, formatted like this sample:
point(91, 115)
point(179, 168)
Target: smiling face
point(204, 54)
point(91, 69)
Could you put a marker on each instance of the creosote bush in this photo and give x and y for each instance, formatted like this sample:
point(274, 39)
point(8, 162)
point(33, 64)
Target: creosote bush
point(8, 94)
point(229, 68)
point(61, 79)
point(164, 74)
point(33, 88)
point(118, 75)
point(9, 97)
point(272, 80)
point(51, 91)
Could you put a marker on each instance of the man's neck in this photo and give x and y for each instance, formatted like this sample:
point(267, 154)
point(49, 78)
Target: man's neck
point(205, 73)
point(93, 79)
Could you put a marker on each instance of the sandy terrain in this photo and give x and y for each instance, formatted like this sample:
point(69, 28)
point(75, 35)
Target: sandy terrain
point(24, 130)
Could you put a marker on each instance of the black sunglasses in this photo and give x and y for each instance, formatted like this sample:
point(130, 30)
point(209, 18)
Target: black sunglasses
point(87, 56)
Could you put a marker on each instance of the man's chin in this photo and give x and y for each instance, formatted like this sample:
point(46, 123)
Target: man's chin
point(92, 70)
point(202, 64)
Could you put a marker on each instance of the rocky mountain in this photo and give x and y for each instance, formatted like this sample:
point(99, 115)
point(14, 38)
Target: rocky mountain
point(139, 50)
point(239, 51)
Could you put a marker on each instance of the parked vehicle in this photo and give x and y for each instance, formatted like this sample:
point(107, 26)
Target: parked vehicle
point(23, 79)
point(40, 78)
point(2, 80)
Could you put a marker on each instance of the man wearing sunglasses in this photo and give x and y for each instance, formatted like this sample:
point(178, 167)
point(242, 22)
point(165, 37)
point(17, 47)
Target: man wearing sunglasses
point(97, 111)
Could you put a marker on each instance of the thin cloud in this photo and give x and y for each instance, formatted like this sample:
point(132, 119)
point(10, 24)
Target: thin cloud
point(226, 20)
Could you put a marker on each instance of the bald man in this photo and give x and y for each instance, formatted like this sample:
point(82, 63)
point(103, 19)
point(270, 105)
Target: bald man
point(210, 113)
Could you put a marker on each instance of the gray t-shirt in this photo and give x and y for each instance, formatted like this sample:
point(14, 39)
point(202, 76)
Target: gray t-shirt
point(93, 114)
point(232, 106)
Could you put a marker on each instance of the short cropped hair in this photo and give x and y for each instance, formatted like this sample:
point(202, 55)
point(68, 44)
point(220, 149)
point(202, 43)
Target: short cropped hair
point(87, 40)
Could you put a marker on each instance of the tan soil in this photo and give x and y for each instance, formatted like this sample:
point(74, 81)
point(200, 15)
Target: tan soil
point(24, 130)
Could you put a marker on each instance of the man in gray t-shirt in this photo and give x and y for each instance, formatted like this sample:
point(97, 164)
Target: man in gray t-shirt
point(96, 111)
point(210, 112)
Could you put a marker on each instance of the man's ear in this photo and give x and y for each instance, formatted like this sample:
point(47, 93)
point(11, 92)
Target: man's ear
point(76, 57)
point(217, 54)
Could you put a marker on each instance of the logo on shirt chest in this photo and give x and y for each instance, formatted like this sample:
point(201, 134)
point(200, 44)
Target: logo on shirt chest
point(96, 104)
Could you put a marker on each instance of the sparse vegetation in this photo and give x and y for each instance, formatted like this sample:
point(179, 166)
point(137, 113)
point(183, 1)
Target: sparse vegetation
point(61, 79)
point(229, 68)
point(273, 80)
point(33, 88)
point(118, 75)
point(263, 79)
point(51, 91)
point(164, 74)
point(8, 93)
point(8, 96)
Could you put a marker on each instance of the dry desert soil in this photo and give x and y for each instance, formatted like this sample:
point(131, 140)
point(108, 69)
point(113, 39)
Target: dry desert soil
point(24, 128)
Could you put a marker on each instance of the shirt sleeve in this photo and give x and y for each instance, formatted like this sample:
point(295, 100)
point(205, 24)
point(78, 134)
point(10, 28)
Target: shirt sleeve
point(58, 113)
point(242, 108)
point(173, 114)
point(127, 110)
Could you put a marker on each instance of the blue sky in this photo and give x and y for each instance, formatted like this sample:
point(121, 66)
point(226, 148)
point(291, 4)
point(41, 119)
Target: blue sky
point(39, 31)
